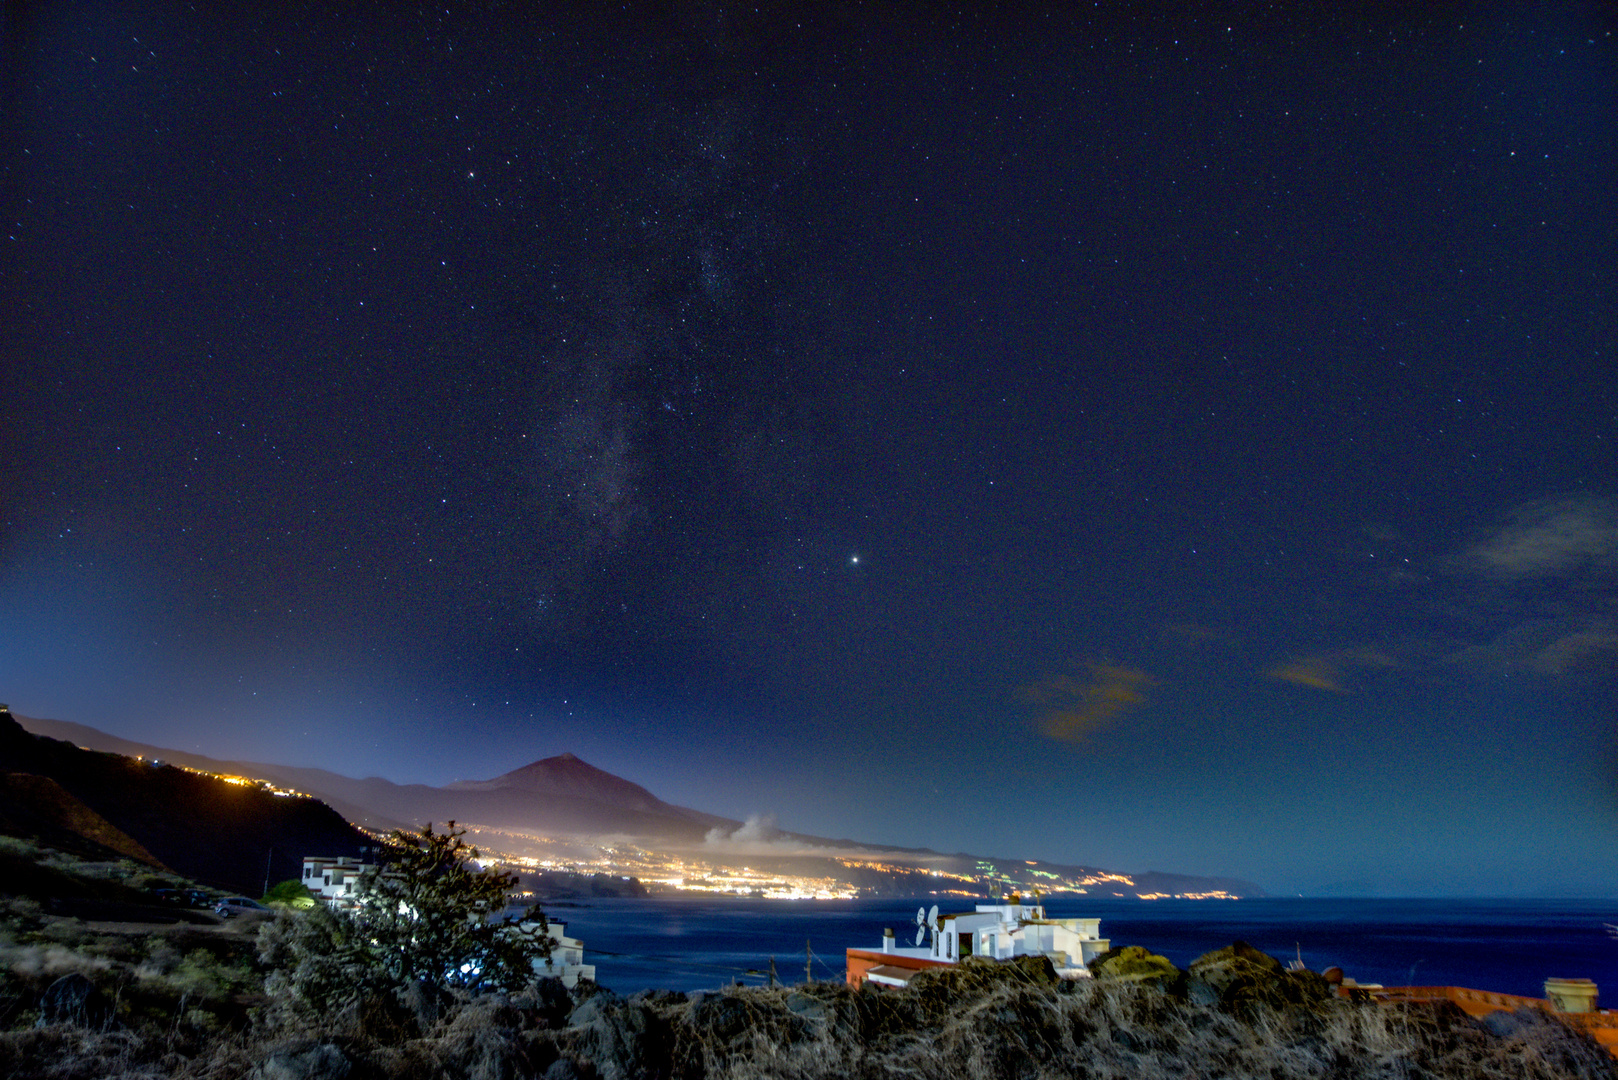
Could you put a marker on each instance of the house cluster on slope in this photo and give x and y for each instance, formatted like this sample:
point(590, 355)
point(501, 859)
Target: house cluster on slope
point(336, 881)
point(993, 931)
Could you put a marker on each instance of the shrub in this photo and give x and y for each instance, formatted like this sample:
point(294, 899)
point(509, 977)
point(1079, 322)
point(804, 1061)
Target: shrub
point(319, 963)
point(291, 893)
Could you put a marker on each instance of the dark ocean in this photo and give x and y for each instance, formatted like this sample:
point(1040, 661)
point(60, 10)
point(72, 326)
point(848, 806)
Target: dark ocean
point(1508, 946)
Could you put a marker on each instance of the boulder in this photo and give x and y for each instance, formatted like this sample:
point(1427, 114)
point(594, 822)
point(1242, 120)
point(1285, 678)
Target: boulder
point(1014, 1034)
point(721, 1034)
point(73, 999)
point(585, 989)
point(562, 1069)
point(721, 1019)
point(1037, 969)
point(592, 1009)
point(425, 1002)
point(659, 999)
point(1506, 1025)
point(1132, 963)
point(807, 1007)
point(1240, 977)
point(619, 1039)
point(549, 1000)
point(381, 1016)
point(305, 1061)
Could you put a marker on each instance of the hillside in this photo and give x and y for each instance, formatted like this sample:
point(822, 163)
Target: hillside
point(230, 835)
point(39, 808)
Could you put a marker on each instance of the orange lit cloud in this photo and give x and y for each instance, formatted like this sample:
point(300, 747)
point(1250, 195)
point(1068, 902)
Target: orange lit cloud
point(1325, 670)
point(1071, 707)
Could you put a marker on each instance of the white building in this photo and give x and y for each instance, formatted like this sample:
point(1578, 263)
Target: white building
point(566, 961)
point(993, 931)
point(333, 880)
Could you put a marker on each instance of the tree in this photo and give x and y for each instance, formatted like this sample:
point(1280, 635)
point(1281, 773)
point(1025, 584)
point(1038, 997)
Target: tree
point(426, 913)
point(290, 893)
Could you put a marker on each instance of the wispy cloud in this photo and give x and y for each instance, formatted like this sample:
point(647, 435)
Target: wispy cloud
point(1550, 538)
point(1543, 586)
point(1562, 646)
point(1070, 708)
point(1326, 670)
point(1580, 649)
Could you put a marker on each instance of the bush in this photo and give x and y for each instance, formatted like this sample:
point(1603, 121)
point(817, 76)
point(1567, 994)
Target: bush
point(319, 963)
point(291, 893)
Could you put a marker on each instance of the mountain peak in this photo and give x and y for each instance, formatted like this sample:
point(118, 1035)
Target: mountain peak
point(569, 775)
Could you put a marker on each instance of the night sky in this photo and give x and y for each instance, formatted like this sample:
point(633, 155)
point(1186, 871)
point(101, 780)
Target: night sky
point(1179, 442)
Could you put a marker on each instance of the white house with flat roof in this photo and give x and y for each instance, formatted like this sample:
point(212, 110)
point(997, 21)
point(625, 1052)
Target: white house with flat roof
point(333, 879)
point(993, 931)
point(566, 961)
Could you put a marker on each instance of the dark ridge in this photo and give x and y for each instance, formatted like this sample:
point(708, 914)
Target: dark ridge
point(233, 836)
point(41, 809)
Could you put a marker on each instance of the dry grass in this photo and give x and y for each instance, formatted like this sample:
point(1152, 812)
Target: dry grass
point(184, 1011)
point(1098, 1031)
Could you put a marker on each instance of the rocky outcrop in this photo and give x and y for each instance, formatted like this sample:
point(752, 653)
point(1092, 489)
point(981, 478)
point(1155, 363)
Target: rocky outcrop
point(306, 1060)
point(73, 999)
point(1240, 977)
point(1131, 963)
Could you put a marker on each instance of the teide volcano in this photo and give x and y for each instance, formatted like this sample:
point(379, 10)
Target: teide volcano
point(570, 776)
point(569, 795)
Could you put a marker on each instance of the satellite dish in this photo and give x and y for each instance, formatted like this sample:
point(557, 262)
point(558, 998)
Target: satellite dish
point(921, 916)
point(932, 918)
point(921, 932)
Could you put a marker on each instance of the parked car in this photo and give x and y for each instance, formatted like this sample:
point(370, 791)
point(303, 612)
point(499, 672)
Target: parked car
point(239, 905)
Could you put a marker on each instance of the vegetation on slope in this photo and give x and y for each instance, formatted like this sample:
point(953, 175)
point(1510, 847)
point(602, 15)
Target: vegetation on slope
point(303, 997)
point(993, 1022)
